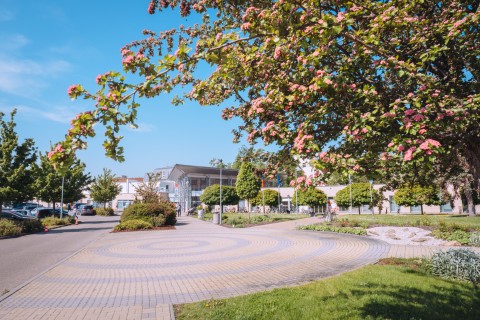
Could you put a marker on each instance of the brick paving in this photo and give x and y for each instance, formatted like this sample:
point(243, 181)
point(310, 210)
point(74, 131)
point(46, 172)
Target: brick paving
point(139, 275)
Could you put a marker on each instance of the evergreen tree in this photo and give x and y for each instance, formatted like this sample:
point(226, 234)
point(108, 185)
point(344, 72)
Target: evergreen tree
point(104, 188)
point(248, 184)
point(17, 164)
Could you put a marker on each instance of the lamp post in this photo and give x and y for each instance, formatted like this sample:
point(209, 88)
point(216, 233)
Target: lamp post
point(296, 193)
point(371, 195)
point(350, 184)
point(61, 201)
point(219, 163)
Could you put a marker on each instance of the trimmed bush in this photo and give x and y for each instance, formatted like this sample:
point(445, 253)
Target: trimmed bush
point(54, 221)
point(332, 228)
point(9, 228)
point(459, 264)
point(151, 213)
point(133, 224)
point(104, 211)
point(31, 226)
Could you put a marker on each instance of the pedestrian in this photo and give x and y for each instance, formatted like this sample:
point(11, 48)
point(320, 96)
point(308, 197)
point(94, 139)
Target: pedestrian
point(179, 210)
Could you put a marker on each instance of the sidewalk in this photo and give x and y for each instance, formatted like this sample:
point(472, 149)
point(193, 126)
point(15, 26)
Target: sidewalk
point(139, 275)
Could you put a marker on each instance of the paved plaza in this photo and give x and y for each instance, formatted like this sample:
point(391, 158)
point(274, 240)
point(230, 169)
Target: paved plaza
point(140, 275)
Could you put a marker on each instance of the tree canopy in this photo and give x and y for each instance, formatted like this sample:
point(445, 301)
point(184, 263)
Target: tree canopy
point(267, 197)
point(360, 195)
point(248, 184)
point(416, 196)
point(48, 183)
point(17, 164)
point(104, 188)
point(310, 196)
point(367, 86)
point(211, 195)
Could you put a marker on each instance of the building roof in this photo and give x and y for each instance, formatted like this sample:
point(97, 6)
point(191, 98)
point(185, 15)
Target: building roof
point(124, 179)
point(181, 169)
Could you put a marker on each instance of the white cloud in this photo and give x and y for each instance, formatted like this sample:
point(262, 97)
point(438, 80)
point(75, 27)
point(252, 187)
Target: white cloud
point(59, 114)
point(26, 77)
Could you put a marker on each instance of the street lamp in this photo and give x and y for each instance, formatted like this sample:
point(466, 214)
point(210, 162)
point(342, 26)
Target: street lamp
point(61, 202)
point(371, 195)
point(219, 163)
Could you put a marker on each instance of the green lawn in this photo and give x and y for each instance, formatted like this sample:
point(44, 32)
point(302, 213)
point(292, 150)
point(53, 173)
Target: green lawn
point(415, 220)
point(372, 292)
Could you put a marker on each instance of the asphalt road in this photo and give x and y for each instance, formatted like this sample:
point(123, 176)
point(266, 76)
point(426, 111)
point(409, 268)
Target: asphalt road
point(25, 257)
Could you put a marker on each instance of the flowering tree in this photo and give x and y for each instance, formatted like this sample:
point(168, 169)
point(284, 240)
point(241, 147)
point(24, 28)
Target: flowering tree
point(361, 85)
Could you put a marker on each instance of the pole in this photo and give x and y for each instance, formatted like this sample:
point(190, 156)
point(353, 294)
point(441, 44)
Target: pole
point(263, 200)
point(296, 193)
point(61, 202)
point(221, 209)
point(371, 196)
point(350, 184)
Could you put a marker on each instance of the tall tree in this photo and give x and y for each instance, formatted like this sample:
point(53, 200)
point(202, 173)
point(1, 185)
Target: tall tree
point(148, 190)
point(310, 196)
point(372, 85)
point(267, 197)
point(211, 195)
point(17, 164)
point(48, 184)
point(248, 184)
point(360, 195)
point(416, 196)
point(104, 188)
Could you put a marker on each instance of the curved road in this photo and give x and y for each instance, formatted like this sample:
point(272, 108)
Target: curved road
point(139, 275)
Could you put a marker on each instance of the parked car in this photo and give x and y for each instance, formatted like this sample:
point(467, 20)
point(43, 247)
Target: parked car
point(12, 215)
point(86, 209)
point(41, 213)
point(23, 212)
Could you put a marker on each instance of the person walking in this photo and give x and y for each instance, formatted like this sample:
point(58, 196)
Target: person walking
point(179, 210)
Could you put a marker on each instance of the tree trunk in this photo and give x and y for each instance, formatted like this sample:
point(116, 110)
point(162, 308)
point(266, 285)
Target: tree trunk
point(359, 209)
point(470, 204)
point(421, 209)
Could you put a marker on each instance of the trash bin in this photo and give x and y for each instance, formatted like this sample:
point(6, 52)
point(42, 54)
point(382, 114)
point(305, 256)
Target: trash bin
point(216, 218)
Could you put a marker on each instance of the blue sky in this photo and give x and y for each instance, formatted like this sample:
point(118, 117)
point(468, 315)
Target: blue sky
point(46, 46)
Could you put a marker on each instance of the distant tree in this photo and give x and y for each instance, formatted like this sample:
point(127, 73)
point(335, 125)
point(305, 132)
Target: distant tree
point(249, 154)
point(216, 163)
point(211, 195)
point(416, 196)
point(248, 184)
point(48, 184)
point(310, 196)
point(268, 197)
point(17, 164)
point(148, 190)
point(104, 188)
point(360, 196)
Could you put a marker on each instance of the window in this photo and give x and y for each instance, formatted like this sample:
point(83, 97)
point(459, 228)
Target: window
point(446, 208)
point(394, 208)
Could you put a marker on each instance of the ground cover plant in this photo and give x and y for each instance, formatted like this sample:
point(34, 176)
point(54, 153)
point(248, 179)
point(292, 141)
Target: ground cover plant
point(104, 211)
point(463, 229)
point(392, 289)
point(241, 220)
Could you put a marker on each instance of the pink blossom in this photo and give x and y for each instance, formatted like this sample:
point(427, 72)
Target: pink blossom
point(401, 148)
point(328, 81)
point(418, 117)
point(99, 77)
point(409, 112)
point(408, 155)
point(391, 144)
point(245, 26)
point(277, 53)
point(128, 60)
point(356, 167)
point(50, 154)
point(72, 89)
point(340, 17)
point(422, 131)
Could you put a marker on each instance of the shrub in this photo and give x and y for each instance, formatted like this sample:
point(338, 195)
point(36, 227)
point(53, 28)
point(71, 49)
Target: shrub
point(331, 228)
point(460, 264)
point(236, 221)
point(133, 224)
point(475, 239)
point(9, 228)
point(104, 211)
point(31, 226)
point(148, 211)
point(54, 221)
point(261, 218)
point(457, 235)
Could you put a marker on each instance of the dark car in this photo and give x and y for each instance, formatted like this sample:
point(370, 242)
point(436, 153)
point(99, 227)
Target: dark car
point(41, 213)
point(85, 210)
point(12, 215)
